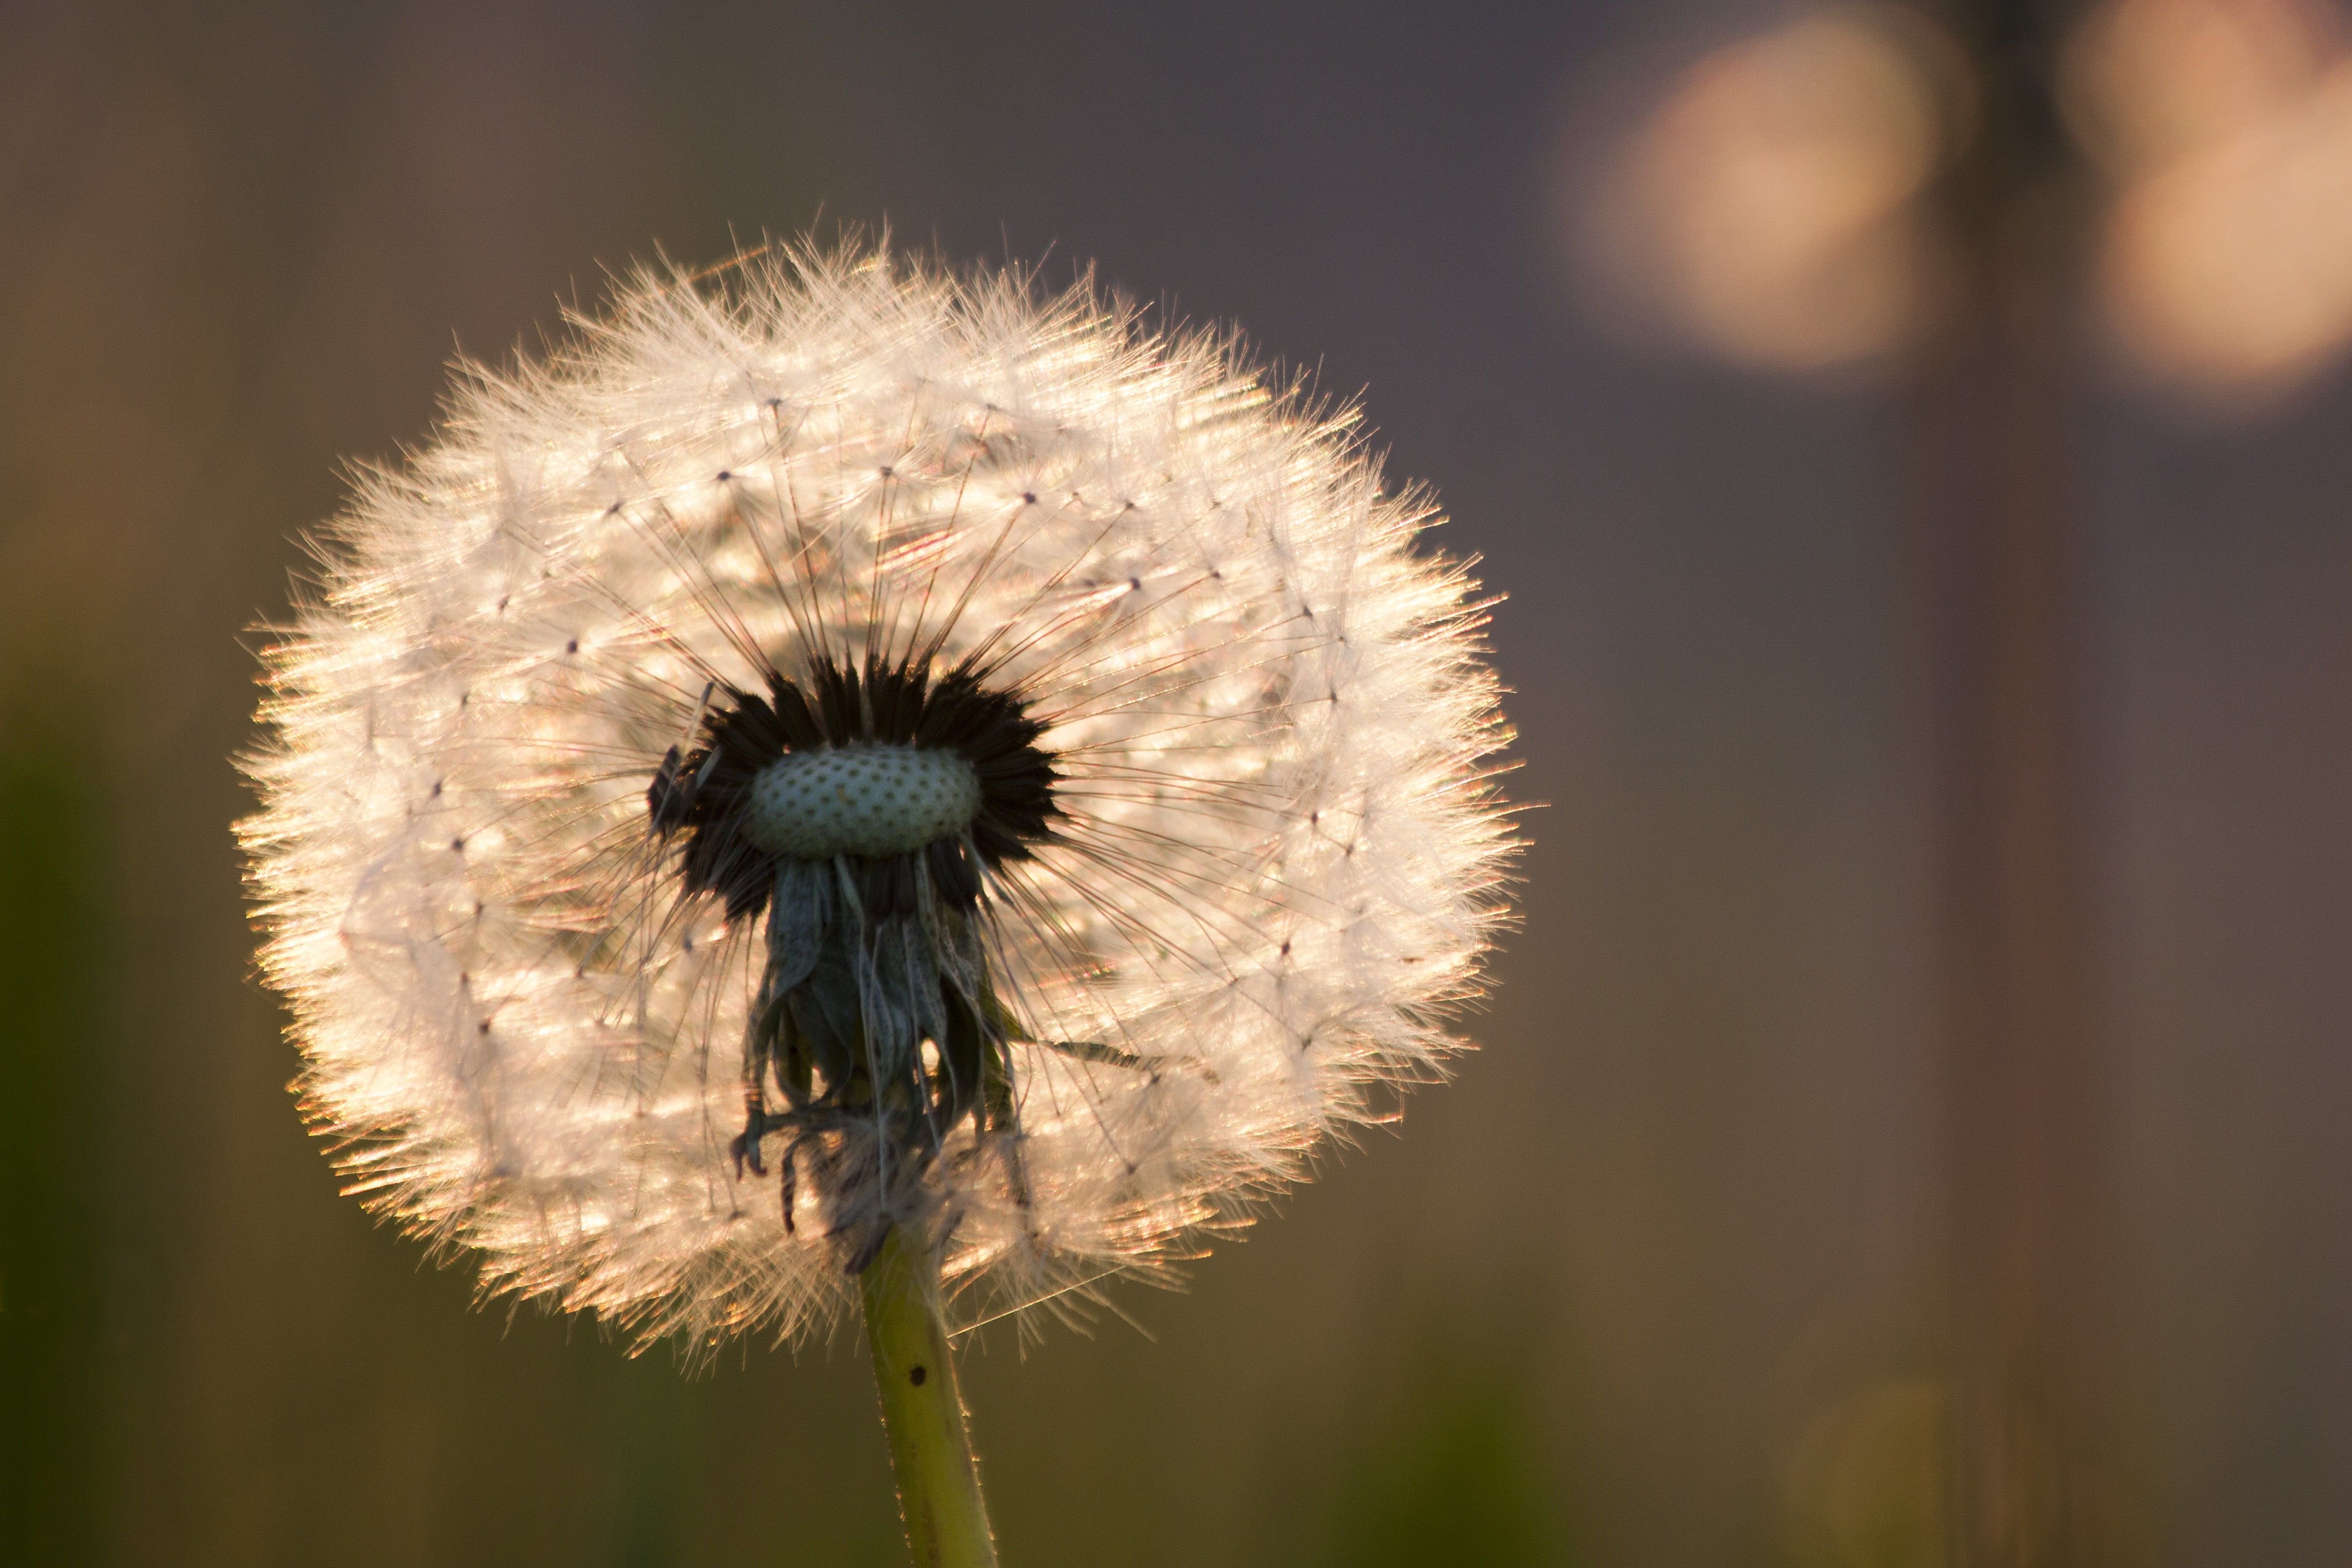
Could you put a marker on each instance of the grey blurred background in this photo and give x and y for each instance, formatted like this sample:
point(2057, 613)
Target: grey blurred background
point(1664, 1277)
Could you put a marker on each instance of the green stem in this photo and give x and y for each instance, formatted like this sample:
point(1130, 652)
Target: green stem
point(938, 1485)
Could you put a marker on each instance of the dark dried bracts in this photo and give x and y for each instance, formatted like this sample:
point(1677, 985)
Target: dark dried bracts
point(861, 812)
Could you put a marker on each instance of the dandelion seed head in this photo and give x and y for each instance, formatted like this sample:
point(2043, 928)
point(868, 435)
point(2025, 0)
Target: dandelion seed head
point(850, 745)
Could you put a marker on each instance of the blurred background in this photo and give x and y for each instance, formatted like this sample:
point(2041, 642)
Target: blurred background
point(1916, 445)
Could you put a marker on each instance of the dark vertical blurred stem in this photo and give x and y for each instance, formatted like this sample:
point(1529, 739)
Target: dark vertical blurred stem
point(1995, 434)
point(54, 1043)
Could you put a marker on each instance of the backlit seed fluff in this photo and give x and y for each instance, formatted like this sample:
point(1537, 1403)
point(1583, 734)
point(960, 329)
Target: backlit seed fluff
point(844, 746)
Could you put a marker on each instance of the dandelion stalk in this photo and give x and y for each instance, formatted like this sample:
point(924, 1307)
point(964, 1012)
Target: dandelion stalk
point(938, 1485)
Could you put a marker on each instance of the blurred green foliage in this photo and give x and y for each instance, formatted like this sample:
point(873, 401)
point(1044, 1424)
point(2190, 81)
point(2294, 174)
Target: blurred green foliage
point(57, 1135)
point(1449, 1481)
point(1865, 1480)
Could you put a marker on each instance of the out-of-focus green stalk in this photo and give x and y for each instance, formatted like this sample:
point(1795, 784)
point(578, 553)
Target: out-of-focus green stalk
point(938, 1485)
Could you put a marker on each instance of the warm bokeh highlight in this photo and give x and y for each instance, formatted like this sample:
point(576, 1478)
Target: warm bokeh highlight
point(2227, 125)
point(1763, 208)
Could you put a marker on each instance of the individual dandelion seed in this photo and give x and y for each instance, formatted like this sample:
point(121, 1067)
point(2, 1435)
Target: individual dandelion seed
point(848, 771)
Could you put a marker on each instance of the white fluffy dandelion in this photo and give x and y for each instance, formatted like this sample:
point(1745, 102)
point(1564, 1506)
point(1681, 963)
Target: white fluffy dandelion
point(850, 750)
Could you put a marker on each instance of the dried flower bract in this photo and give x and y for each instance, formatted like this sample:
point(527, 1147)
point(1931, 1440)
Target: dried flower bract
point(846, 746)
